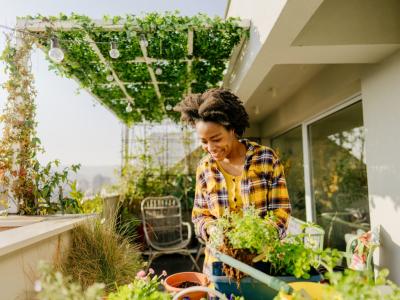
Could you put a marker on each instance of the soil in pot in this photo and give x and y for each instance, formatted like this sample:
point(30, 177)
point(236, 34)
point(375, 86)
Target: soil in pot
point(187, 284)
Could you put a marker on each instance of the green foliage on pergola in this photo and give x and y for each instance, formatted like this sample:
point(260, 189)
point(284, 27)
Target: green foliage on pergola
point(162, 57)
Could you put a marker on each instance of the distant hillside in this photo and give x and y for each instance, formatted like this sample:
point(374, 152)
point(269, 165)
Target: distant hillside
point(92, 178)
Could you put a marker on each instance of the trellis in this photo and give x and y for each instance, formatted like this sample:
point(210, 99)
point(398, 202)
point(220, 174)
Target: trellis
point(200, 52)
point(136, 92)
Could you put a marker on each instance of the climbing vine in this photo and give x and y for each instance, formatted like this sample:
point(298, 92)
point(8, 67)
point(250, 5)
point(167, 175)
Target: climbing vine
point(19, 143)
point(166, 39)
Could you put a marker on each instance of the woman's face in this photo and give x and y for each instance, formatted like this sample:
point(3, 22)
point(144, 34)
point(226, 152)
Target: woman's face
point(215, 139)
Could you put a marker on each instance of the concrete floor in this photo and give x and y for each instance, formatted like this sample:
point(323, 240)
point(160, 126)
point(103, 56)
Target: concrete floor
point(174, 263)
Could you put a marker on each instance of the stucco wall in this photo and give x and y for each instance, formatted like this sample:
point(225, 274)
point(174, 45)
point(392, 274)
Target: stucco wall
point(18, 269)
point(263, 15)
point(328, 88)
point(381, 105)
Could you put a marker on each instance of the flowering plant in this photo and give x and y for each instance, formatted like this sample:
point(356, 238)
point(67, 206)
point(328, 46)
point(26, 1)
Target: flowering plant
point(144, 287)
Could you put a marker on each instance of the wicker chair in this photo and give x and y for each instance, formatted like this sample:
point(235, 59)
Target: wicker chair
point(163, 228)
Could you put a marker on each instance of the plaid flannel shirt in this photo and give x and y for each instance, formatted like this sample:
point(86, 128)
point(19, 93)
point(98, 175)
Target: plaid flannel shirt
point(263, 186)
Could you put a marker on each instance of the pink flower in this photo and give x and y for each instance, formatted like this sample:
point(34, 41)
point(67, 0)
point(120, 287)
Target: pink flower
point(141, 274)
point(151, 271)
point(164, 273)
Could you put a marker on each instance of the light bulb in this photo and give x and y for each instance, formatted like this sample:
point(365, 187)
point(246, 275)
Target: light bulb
point(110, 78)
point(114, 53)
point(55, 53)
point(143, 42)
point(128, 108)
point(158, 71)
point(168, 107)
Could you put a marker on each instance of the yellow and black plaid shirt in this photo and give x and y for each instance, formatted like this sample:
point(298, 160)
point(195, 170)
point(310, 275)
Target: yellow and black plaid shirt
point(263, 186)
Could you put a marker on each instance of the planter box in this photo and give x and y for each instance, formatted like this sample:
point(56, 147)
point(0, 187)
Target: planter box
point(250, 288)
point(30, 240)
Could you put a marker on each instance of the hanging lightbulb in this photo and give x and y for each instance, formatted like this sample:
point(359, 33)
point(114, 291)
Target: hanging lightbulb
point(110, 78)
point(143, 42)
point(168, 107)
point(128, 108)
point(114, 53)
point(55, 53)
point(158, 71)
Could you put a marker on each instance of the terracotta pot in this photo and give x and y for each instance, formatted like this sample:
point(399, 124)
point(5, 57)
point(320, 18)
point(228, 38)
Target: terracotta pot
point(174, 280)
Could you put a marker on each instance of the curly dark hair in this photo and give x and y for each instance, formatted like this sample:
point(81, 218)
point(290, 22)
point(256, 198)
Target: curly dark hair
point(215, 105)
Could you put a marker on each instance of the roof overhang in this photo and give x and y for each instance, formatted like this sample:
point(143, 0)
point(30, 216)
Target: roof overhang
point(306, 36)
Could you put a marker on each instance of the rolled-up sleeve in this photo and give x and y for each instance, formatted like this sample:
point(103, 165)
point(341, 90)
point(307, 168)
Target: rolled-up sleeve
point(201, 215)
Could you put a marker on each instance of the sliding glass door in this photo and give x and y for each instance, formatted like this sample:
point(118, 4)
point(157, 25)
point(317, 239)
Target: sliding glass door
point(338, 174)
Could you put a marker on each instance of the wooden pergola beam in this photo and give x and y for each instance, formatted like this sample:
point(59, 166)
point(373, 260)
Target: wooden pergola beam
point(41, 26)
point(143, 47)
point(96, 49)
point(190, 55)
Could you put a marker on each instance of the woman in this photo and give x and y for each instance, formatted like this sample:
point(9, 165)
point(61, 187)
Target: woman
point(236, 173)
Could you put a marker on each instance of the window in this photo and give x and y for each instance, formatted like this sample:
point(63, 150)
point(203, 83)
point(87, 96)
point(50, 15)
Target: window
point(338, 174)
point(290, 151)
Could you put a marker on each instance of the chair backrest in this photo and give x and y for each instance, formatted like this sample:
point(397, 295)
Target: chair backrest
point(162, 220)
point(314, 235)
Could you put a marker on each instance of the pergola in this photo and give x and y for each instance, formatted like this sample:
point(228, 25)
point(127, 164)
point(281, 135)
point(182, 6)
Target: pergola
point(161, 59)
point(137, 67)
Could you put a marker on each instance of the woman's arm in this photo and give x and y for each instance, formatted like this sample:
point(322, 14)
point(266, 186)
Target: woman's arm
point(201, 215)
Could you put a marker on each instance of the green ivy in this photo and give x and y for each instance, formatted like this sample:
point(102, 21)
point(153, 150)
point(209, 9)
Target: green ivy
point(167, 38)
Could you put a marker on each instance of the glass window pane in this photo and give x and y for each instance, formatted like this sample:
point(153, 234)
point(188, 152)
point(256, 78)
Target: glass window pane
point(339, 176)
point(289, 148)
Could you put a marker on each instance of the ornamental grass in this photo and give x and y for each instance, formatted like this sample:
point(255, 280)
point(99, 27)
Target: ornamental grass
point(99, 254)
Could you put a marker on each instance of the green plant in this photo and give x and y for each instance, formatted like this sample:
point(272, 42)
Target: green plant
point(99, 254)
point(53, 285)
point(167, 44)
point(354, 285)
point(92, 205)
point(48, 186)
point(142, 288)
point(250, 238)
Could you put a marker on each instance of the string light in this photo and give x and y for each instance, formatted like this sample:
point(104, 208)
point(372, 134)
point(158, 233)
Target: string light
point(128, 108)
point(143, 42)
point(110, 78)
point(168, 107)
point(158, 71)
point(55, 53)
point(114, 53)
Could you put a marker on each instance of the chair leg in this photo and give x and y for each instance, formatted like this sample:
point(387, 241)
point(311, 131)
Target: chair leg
point(199, 253)
point(194, 261)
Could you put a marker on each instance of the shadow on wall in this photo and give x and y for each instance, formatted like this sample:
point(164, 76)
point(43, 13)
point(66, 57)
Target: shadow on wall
point(386, 257)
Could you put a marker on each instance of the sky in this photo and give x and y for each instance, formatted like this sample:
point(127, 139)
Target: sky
point(74, 127)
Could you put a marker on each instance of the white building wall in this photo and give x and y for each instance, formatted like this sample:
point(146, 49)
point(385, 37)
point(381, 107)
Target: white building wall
point(263, 15)
point(328, 88)
point(381, 105)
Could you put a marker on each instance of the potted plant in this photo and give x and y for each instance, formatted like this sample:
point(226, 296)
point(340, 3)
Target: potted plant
point(179, 281)
point(255, 241)
point(352, 285)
